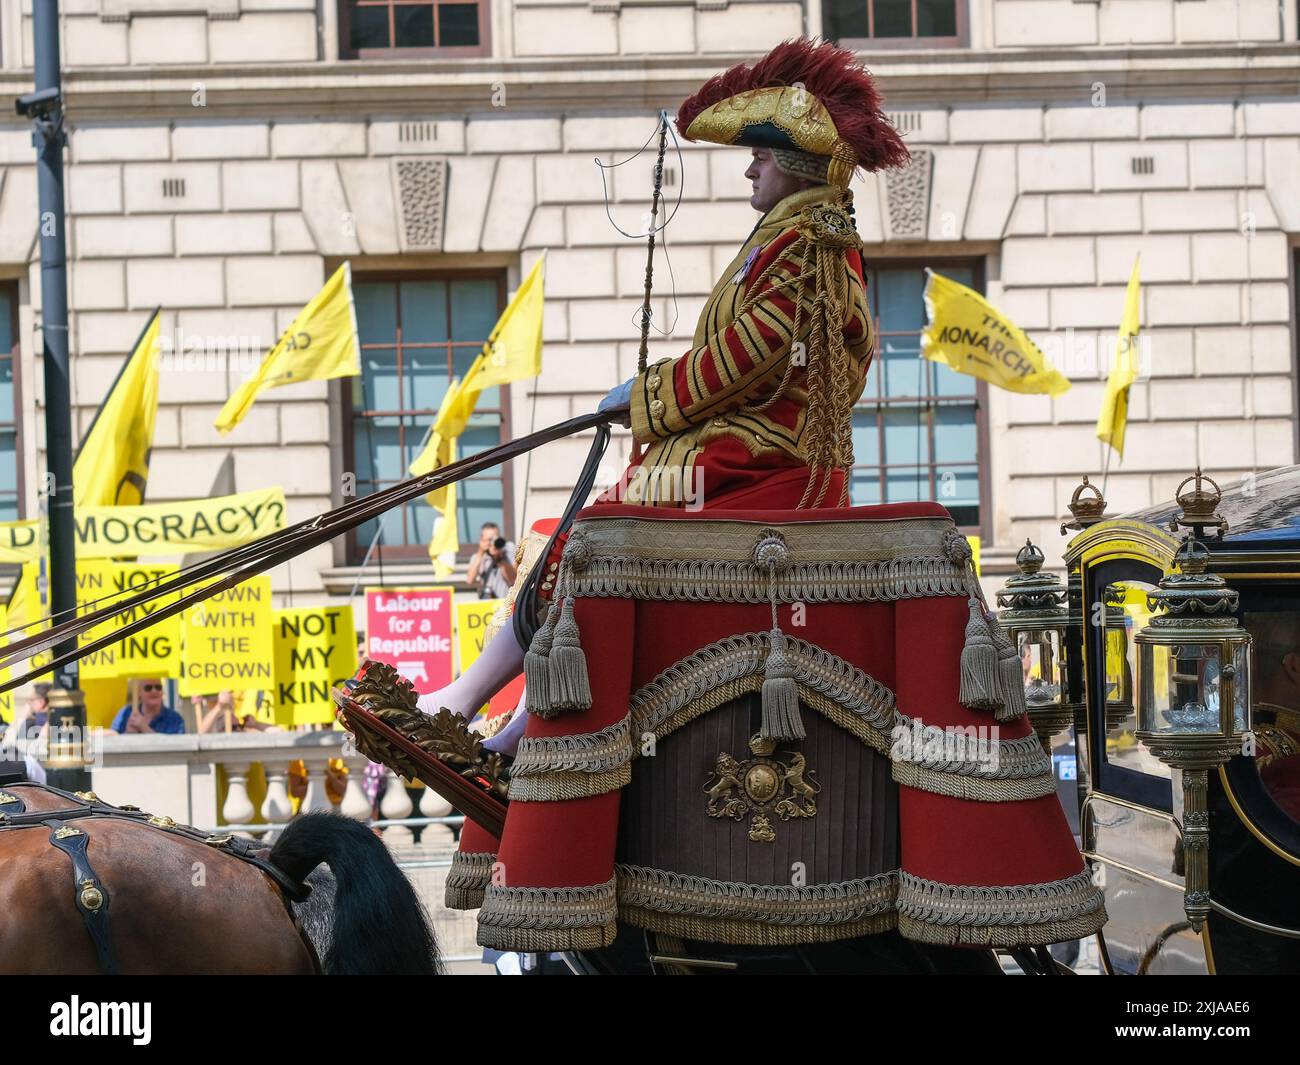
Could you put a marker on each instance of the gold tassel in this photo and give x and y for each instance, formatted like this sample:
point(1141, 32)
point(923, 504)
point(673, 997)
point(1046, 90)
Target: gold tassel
point(537, 670)
point(979, 663)
point(570, 688)
point(781, 717)
point(1011, 677)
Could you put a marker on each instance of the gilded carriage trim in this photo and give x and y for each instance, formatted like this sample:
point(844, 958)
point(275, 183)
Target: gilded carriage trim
point(469, 875)
point(712, 561)
point(568, 784)
point(548, 919)
point(1055, 902)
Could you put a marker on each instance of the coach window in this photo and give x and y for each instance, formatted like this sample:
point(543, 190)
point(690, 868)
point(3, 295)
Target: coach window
point(417, 333)
point(919, 430)
point(10, 454)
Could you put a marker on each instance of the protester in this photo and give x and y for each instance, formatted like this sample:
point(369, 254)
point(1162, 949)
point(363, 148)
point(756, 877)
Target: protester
point(146, 712)
point(218, 713)
point(492, 568)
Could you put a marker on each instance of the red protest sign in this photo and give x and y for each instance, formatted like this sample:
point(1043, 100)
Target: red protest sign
point(410, 628)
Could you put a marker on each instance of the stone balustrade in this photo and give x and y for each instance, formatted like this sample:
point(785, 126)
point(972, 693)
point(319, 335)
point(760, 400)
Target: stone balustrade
point(177, 776)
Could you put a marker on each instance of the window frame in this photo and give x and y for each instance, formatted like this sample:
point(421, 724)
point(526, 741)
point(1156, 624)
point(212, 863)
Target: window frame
point(978, 265)
point(354, 550)
point(870, 44)
point(15, 362)
point(483, 48)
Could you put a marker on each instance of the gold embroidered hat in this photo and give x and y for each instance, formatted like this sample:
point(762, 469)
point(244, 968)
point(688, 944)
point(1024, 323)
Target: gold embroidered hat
point(804, 96)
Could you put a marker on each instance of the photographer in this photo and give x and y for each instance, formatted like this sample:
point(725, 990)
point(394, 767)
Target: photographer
point(492, 569)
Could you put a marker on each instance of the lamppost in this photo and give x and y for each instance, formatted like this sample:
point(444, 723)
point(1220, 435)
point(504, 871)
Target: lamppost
point(44, 107)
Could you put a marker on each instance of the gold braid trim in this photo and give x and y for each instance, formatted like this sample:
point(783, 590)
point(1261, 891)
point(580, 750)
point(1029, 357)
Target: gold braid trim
point(955, 913)
point(828, 231)
point(541, 920)
point(467, 879)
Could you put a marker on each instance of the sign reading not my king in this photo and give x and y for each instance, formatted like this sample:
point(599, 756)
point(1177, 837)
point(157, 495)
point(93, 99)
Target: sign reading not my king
point(410, 628)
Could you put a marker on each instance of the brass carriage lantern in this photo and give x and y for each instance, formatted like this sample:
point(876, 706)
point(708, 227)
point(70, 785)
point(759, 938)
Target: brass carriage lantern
point(1119, 675)
point(1194, 686)
point(1032, 608)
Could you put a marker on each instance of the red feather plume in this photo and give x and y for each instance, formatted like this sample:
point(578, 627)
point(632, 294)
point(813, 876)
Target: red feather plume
point(833, 75)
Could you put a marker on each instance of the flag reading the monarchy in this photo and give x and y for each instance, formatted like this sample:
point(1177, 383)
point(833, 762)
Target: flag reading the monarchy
point(1113, 419)
point(320, 344)
point(112, 464)
point(969, 334)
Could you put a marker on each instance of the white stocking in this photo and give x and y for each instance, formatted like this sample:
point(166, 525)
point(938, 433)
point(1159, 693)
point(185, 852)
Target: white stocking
point(501, 661)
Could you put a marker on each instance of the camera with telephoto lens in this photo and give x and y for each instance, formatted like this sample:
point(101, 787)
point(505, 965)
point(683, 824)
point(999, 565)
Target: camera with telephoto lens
point(499, 543)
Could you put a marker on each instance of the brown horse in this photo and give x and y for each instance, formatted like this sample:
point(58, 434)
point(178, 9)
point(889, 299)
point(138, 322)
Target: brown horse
point(177, 905)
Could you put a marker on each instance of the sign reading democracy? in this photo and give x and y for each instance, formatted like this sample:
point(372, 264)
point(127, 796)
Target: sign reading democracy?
point(411, 628)
point(228, 641)
point(156, 528)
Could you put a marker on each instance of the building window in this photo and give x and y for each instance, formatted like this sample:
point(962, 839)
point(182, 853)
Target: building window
point(417, 333)
point(896, 23)
point(918, 431)
point(11, 484)
point(380, 29)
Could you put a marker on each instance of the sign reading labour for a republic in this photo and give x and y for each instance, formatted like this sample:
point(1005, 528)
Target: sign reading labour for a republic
point(411, 629)
point(315, 649)
point(228, 641)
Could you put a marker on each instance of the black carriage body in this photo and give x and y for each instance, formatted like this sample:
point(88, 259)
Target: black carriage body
point(1130, 809)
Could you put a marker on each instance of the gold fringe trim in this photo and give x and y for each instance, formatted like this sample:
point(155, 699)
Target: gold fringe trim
point(752, 933)
point(568, 784)
point(548, 919)
point(468, 877)
point(1034, 935)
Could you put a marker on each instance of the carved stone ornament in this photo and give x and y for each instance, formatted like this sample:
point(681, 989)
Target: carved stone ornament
point(907, 192)
point(770, 784)
point(420, 189)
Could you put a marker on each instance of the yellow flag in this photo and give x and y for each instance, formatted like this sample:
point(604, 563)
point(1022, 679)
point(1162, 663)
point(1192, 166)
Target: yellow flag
point(1123, 372)
point(972, 336)
point(320, 344)
point(112, 464)
point(446, 534)
point(513, 352)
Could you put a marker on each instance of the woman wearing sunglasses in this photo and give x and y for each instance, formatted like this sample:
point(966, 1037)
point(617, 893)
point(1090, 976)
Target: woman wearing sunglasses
point(146, 712)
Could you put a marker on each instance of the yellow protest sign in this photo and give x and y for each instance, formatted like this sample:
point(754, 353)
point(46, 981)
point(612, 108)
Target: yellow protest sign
point(156, 528)
point(315, 649)
point(226, 641)
point(472, 620)
point(6, 698)
point(151, 652)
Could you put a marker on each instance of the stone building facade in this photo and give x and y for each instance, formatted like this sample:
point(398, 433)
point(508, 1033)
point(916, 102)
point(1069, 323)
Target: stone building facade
point(226, 156)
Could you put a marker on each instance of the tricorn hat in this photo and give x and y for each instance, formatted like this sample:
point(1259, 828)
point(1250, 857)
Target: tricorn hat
point(803, 96)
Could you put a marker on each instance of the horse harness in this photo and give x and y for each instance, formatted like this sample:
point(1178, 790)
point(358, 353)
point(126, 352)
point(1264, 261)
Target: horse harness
point(91, 895)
